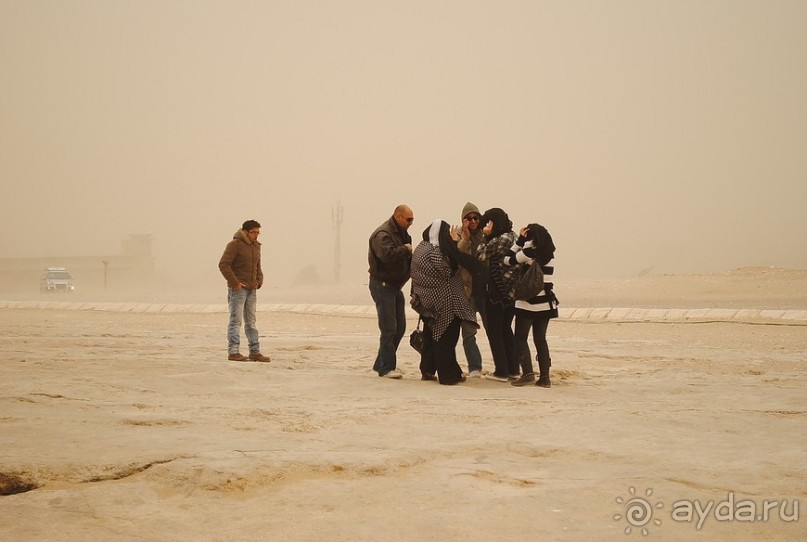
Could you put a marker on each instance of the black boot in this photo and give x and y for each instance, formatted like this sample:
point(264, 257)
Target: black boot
point(523, 380)
point(543, 380)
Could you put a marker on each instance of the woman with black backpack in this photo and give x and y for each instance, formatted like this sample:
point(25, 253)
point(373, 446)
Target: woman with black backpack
point(534, 246)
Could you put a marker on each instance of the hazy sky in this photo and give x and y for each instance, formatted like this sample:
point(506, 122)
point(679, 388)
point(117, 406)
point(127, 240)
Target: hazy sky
point(665, 134)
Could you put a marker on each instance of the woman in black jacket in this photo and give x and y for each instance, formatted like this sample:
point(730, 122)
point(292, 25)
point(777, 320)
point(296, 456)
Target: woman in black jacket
point(498, 239)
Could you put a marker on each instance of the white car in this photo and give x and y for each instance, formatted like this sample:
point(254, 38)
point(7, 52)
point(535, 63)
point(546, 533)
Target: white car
point(56, 279)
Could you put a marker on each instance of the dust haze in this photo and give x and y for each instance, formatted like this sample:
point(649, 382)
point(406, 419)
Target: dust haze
point(662, 137)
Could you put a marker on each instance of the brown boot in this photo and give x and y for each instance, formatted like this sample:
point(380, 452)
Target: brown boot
point(257, 356)
point(237, 357)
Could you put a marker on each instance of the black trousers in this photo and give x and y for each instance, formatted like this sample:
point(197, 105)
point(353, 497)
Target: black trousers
point(499, 329)
point(526, 320)
point(441, 356)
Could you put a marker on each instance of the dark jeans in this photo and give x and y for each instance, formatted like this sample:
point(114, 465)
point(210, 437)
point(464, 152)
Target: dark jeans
point(389, 304)
point(524, 321)
point(441, 356)
point(499, 329)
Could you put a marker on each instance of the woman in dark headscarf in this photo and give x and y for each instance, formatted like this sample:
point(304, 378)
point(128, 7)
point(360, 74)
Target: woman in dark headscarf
point(438, 295)
point(534, 246)
point(498, 239)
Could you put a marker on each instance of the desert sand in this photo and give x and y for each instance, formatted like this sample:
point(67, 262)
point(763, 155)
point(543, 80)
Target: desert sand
point(128, 423)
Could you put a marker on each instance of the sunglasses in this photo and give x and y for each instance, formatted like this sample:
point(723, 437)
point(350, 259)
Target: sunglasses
point(410, 220)
point(472, 218)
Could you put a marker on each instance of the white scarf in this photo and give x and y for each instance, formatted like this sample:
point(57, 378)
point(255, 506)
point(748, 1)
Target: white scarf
point(434, 232)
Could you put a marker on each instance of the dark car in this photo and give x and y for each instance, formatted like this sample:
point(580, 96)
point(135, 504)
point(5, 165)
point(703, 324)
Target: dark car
point(56, 279)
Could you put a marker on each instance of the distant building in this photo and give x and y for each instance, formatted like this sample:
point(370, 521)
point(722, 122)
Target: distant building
point(134, 266)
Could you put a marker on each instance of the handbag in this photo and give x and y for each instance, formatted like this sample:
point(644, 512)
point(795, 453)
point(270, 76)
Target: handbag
point(416, 339)
point(531, 282)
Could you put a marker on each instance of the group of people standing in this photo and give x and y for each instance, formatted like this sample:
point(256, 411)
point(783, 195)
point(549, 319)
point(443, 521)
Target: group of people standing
point(457, 272)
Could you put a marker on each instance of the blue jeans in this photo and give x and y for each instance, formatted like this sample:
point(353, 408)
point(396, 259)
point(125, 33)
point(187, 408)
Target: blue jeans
point(472, 354)
point(389, 304)
point(242, 305)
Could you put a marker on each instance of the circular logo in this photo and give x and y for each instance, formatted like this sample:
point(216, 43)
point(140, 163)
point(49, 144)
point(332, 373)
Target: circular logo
point(638, 511)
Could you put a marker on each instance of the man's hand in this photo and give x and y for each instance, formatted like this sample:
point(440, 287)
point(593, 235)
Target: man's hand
point(466, 228)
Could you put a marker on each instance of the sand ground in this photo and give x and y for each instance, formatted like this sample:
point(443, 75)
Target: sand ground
point(133, 426)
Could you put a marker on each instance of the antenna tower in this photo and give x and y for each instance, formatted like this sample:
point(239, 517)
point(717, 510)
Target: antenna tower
point(336, 221)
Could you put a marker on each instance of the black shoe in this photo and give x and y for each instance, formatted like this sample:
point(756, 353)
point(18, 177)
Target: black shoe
point(428, 377)
point(544, 382)
point(525, 379)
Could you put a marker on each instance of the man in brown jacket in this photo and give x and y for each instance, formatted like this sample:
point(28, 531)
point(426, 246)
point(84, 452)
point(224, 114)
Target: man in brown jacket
point(241, 266)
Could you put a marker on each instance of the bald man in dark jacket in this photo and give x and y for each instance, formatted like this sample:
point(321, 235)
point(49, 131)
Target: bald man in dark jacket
point(390, 257)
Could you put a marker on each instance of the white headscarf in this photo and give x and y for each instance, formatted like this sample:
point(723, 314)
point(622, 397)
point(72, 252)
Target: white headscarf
point(434, 232)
